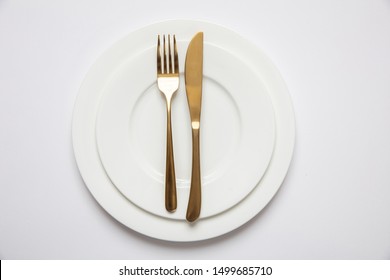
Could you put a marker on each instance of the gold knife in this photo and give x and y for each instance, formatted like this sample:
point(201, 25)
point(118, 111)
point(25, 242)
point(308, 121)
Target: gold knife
point(193, 80)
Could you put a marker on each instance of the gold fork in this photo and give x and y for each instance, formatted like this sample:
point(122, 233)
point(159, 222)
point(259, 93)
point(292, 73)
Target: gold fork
point(168, 84)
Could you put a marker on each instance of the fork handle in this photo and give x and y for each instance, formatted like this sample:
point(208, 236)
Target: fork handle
point(170, 178)
point(194, 203)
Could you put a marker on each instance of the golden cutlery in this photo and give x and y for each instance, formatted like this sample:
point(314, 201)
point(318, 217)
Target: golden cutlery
point(168, 84)
point(193, 80)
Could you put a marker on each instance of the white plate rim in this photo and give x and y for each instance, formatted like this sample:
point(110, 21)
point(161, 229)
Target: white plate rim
point(137, 219)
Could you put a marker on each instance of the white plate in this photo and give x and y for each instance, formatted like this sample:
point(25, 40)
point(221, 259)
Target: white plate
point(237, 133)
point(100, 185)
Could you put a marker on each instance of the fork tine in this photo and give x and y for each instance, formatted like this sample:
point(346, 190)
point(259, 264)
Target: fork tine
point(176, 57)
point(165, 56)
point(159, 69)
point(170, 54)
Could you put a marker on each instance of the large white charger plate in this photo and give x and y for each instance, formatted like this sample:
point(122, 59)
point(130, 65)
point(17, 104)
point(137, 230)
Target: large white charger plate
point(237, 133)
point(109, 196)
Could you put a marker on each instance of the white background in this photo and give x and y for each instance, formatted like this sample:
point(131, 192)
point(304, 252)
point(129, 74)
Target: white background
point(335, 59)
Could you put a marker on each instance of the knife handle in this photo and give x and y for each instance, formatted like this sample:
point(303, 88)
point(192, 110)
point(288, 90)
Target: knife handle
point(170, 177)
point(194, 203)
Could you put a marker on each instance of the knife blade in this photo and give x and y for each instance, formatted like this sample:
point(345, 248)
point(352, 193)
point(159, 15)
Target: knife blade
point(193, 80)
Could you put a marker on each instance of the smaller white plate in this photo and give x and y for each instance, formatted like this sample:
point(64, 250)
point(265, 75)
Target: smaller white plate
point(237, 133)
